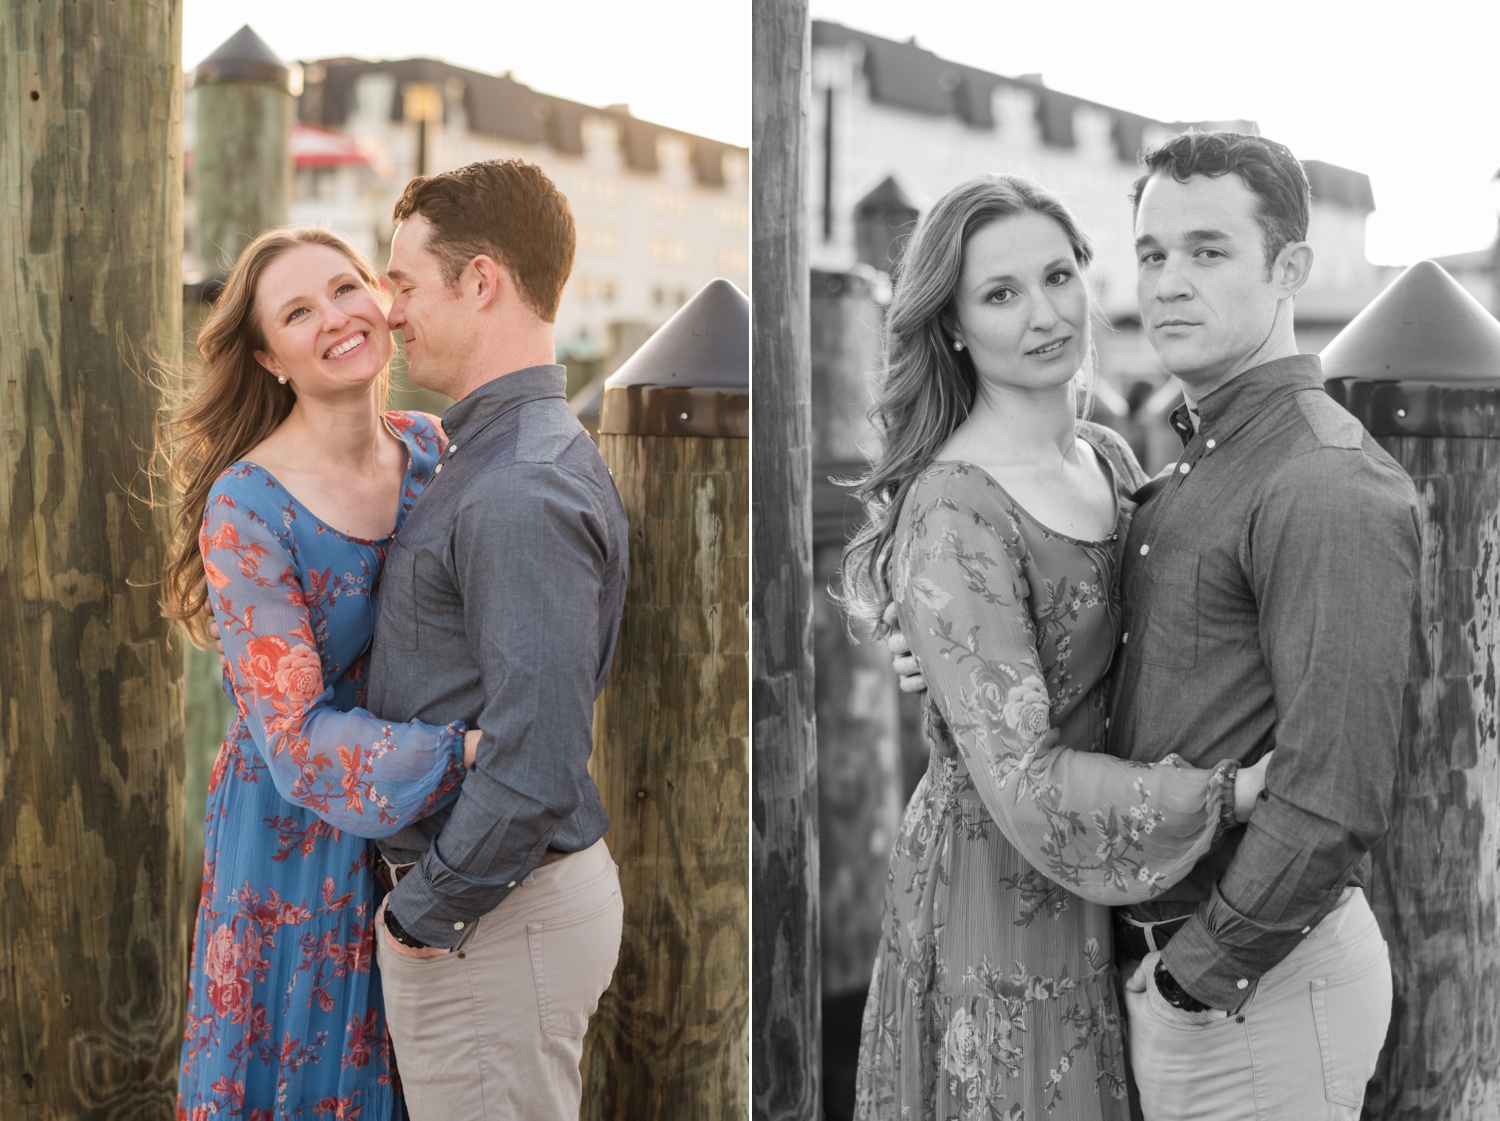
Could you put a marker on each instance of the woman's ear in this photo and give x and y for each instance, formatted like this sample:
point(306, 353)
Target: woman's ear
point(955, 333)
point(267, 363)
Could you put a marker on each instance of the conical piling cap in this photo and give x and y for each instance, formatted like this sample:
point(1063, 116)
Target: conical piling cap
point(1424, 327)
point(692, 377)
point(244, 57)
point(707, 343)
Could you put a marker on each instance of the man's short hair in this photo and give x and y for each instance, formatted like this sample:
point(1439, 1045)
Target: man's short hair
point(504, 209)
point(1267, 168)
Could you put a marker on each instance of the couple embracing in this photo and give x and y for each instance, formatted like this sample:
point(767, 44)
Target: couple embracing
point(451, 719)
point(1163, 712)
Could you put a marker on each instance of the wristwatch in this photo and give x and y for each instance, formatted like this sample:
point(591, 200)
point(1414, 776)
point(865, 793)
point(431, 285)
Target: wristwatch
point(1171, 992)
point(398, 932)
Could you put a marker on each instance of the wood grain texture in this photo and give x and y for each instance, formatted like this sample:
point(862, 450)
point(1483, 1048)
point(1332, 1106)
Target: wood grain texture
point(91, 978)
point(244, 167)
point(859, 723)
point(786, 1050)
point(671, 760)
point(1437, 872)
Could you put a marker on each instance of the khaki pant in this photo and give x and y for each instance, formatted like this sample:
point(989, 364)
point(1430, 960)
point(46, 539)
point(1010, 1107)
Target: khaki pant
point(1301, 1047)
point(494, 1030)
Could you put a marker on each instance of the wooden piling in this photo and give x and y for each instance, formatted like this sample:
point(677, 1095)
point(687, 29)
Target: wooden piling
point(786, 1020)
point(244, 161)
point(671, 729)
point(1420, 367)
point(92, 975)
point(859, 721)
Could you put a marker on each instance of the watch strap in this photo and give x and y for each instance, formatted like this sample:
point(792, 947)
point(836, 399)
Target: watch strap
point(398, 932)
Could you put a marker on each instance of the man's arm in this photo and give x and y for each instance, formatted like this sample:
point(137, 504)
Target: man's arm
point(1334, 556)
point(529, 555)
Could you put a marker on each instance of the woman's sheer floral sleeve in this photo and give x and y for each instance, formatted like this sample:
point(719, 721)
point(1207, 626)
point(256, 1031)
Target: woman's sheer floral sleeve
point(1111, 831)
point(356, 772)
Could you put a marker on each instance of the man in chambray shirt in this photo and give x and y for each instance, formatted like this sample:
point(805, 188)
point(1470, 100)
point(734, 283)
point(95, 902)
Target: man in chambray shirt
point(500, 602)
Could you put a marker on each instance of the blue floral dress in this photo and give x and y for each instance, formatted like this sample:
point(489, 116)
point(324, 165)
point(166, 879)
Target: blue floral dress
point(285, 1018)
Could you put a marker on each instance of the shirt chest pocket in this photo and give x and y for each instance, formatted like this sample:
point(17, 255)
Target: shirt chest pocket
point(1171, 638)
point(396, 621)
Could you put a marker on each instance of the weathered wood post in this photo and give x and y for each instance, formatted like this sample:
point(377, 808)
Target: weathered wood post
point(244, 175)
point(244, 161)
point(1420, 367)
point(860, 786)
point(671, 729)
point(92, 948)
point(786, 1054)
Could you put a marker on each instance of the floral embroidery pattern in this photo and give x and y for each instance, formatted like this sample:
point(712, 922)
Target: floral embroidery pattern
point(993, 991)
point(285, 1019)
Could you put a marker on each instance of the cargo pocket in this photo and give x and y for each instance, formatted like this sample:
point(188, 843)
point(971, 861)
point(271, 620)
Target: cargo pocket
point(1171, 638)
point(396, 596)
point(1351, 1030)
point(572, 962)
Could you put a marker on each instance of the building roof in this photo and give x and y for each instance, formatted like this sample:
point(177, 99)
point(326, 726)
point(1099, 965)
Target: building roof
point(906, 76)
point(498, 105)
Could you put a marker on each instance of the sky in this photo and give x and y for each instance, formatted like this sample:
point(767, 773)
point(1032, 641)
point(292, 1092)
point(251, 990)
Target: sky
point(1410, 98)
point(681, 63)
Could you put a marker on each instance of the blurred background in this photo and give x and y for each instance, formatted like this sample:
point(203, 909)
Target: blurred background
point(1395, 121)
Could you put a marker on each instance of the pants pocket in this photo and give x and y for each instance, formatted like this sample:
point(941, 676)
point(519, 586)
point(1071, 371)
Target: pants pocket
point(1351, 1013)
point(572, 962)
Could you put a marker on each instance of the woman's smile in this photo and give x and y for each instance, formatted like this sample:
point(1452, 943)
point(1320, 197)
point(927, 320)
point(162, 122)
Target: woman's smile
point(347, 345)
point(1050, 349)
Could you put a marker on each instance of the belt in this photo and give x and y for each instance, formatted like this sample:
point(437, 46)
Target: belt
point(388, 875)
point(1135, 939)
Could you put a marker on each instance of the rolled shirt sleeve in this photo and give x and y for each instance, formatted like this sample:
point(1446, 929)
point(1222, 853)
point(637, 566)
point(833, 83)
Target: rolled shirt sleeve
point(528, 555)
point(1335, 555)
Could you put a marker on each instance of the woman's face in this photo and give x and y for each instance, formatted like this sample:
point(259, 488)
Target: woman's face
point(1021, 307)
point(325, 331)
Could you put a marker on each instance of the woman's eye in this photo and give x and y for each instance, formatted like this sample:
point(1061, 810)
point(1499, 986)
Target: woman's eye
point(1061, 276)
point(1001, 296)
point(345, 288)
point(295, 313)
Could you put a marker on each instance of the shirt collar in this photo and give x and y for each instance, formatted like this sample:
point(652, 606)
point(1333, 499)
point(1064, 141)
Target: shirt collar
point(1228, 408)
point(463, 419)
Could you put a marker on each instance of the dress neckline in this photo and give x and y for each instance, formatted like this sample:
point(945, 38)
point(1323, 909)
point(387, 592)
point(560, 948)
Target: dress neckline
point(405, 478)
point(1114, 492)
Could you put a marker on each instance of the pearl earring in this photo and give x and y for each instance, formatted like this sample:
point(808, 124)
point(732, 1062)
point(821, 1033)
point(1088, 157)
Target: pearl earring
point(957, 345)
point(282, 379)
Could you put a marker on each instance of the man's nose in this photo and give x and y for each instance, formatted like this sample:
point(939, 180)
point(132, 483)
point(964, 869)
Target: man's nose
point(1171, 282)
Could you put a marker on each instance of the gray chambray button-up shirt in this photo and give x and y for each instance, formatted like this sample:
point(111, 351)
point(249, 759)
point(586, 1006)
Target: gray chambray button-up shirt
point(1268, 581)
point(500, 601)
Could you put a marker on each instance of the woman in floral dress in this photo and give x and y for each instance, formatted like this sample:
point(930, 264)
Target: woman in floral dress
point(284, 1010)
point(996, 520)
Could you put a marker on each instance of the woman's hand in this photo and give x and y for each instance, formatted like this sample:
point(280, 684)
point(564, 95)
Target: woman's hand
point(471, 746)
point(1248, 784)
point(903, 661)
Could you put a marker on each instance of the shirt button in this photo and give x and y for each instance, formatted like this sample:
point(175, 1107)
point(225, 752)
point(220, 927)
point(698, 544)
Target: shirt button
point(438, 470)
point(1145, 549)
point(1211, 444)
point(1242, 984)
point(1184, 468)
point(511, 884)
point(458, 926)
point(1305, 929)
point(1106, 721)
point(454, 447)
point(1125, 638)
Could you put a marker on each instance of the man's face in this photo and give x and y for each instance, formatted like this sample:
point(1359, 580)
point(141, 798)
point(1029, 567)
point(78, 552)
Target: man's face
point(1207, 303)
point(435, 321)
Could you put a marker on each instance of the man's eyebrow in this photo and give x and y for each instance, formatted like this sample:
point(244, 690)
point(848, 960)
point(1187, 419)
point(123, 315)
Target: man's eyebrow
point(1146, 240)
point(395, 274)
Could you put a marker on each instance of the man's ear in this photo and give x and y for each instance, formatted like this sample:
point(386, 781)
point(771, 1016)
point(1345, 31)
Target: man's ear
point(485, 279)
point(1292, 268)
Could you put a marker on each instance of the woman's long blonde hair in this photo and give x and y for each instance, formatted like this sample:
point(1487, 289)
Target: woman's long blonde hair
point(226, 404)
point(929, 388)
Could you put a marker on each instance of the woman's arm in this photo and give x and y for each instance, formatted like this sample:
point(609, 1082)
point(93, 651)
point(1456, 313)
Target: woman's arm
point(356, 772)
point(1111, 831)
